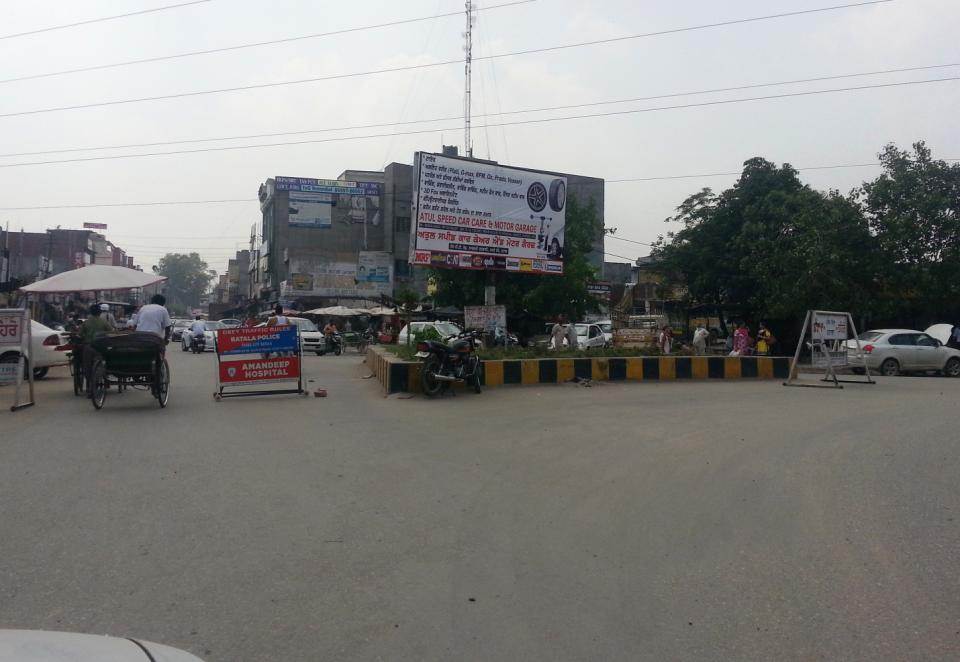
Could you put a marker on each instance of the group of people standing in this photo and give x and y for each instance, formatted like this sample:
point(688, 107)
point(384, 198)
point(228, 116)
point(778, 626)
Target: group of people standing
point(739, 342)
point(563, 330)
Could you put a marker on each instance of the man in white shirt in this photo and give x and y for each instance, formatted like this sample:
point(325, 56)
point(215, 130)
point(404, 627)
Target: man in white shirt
point(154, 318)
point(572, 341)
point(198, 328)
point(557, 333)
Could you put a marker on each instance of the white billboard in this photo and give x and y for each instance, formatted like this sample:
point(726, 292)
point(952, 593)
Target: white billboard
point(472, 215)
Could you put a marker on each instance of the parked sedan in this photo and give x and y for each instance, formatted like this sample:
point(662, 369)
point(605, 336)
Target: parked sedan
point(894, 351)
point(209, 334)
point(179, 326)
point(47, 349)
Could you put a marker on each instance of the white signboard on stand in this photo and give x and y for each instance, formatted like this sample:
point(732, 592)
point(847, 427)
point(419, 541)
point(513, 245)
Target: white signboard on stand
point(15, 334)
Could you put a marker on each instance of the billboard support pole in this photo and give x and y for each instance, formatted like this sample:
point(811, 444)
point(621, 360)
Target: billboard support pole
point(490, 289)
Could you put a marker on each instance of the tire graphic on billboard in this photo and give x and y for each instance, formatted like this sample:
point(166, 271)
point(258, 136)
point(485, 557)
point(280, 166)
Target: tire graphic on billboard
point(558, 194)
point(537, 196)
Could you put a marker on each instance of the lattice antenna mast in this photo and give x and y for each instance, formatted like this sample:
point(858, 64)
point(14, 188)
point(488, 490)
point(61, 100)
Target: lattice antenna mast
point(467, 71)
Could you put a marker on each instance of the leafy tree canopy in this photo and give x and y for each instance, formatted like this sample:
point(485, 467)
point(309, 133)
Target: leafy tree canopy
point(187, 278)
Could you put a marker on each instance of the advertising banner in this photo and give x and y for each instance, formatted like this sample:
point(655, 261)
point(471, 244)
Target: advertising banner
point(257, 340)
point(829, 326)
point(259, 371)
point(375, 268)
point(95, 226)
point(465, 209)
point(485, 317)
point(311, 210)
point(330, 186)
point(311, 275)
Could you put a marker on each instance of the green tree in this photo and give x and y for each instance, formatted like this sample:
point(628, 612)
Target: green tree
point(540, 295)
point(187, 278)
point(771, 246)
point(914, 210)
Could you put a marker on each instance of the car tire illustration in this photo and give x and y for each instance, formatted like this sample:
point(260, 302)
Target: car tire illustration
point(558, 194)
point(537, 196)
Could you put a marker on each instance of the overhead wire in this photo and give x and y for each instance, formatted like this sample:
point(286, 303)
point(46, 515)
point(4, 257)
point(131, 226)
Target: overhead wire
point(237, 47)
point(411, 67)
point(719, 102)
point(401, 122)
point(253, 200)
point(102, 19)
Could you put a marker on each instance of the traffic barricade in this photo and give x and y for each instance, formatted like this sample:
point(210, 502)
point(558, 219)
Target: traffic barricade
point(258, 357)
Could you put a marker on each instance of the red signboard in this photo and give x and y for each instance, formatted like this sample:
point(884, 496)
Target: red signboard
point(259, 371)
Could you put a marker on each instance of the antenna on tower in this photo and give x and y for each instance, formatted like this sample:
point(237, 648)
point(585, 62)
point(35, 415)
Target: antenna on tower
point(467, 66)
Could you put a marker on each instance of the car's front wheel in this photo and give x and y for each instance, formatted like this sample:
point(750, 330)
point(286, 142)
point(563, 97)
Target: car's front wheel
point(952, 369)
point(890, 368)
point(40, 373)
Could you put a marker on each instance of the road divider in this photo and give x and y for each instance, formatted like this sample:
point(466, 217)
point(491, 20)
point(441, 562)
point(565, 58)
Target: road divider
point(398, 376)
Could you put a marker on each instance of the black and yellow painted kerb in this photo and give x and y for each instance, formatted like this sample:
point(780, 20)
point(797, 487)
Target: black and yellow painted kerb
point(397, 376)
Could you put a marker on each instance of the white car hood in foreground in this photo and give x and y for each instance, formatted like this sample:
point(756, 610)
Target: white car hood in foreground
point(42, 646)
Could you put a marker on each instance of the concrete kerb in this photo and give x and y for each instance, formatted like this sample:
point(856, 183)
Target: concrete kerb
point(398, 376)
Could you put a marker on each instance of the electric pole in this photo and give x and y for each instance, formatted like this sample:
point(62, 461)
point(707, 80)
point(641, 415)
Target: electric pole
point(467, 67)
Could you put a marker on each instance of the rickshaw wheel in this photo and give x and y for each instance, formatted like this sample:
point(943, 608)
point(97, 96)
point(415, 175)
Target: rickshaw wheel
point(98, 388)
point(162, 388)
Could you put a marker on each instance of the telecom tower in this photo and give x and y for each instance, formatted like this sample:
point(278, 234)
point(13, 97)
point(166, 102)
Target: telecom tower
point(467, 66)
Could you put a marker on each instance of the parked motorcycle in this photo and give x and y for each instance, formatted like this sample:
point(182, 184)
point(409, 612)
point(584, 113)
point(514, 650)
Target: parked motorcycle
point(449, 362)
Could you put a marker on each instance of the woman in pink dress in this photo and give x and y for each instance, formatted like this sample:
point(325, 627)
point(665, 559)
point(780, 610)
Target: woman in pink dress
point(741, 340)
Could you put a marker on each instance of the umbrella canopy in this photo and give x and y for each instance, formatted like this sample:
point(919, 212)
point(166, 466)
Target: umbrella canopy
point(336, 311)
point(93, 278)
point(381, 310)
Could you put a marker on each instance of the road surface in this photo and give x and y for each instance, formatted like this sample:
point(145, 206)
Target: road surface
point(674, 521)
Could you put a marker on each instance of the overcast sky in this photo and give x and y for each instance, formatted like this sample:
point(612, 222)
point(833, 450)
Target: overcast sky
point(806, 131)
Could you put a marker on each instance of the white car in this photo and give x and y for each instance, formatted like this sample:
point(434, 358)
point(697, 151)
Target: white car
point(311, 338)
point(893, 351)
point(445, 329)
point(590, 336)
point(44, 646)
point(47, 349)
point(230, 322)
point(209, 334)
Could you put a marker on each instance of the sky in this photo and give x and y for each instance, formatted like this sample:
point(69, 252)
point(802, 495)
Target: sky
point(816, 130)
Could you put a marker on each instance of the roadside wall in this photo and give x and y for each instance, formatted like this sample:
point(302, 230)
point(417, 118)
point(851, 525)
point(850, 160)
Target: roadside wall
point(397, 376)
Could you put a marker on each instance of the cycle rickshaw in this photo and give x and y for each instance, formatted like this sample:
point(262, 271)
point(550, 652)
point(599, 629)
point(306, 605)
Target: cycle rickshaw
point(129, 360)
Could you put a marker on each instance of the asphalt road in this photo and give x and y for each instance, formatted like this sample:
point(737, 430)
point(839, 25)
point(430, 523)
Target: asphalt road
point(674, 521)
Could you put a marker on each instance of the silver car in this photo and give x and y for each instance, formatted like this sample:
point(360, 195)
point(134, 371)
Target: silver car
point(893, 351)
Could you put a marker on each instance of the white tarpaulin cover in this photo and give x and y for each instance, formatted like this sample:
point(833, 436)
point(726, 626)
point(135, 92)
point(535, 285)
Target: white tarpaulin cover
point(93, 278)
point(336, 311)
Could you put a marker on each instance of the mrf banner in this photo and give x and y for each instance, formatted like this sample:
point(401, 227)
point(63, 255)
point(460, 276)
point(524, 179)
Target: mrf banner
point(259, 371)
point(257, 340)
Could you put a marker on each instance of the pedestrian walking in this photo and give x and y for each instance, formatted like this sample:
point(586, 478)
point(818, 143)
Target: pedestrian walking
point(556, 334)
point(700, 337)
point(572, 335)
point(741, 340)
point(665, 339)
point(765, 340)
point(953, 341)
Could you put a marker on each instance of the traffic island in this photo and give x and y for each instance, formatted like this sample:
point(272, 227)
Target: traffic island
point(399, 376)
